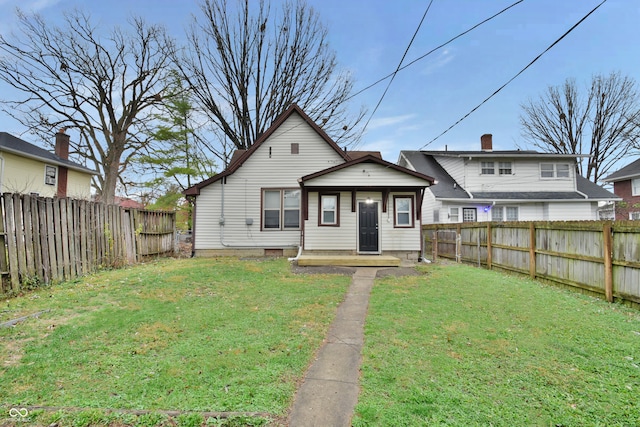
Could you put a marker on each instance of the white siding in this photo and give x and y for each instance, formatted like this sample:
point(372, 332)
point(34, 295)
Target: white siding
point(367, 174)
point(525, 177)
point(572, 211)
point(455, 167)
point(271, 166)
point(554, 211)
point(345, 237)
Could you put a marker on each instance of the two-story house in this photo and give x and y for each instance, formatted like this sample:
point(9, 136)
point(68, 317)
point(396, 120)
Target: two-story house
point(517, 185)
point(29, 169)
point(626, 185)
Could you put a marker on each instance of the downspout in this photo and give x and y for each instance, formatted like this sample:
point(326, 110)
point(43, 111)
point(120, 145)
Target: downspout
point(193, 226)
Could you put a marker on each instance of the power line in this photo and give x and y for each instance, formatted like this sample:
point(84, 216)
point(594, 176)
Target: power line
point(393, 75)
point(433, 50)
point(518, 74)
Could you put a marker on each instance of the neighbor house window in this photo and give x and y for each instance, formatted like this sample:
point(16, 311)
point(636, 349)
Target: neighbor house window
point(295, 148)
point(454, 214)
point(635, 187)
point(281, 209)
point(504, 213)
point(497, 213)
point(329, 208)
point(555, 170)
point(634, 216)
point(512, 213)
point(488, 168)
point(504, 168)
point(50, 173)
point(468, 214)
point(403, 208)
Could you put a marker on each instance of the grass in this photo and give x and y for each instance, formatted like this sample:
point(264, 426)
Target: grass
point(457, 346)
point(462, 346)
point(193, 335)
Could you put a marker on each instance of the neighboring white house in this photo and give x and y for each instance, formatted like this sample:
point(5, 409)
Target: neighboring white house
point(516, 185)
point(29, 169)
point(295, 187)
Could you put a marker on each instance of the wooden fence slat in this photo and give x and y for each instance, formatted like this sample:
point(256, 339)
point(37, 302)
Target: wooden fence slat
point(4, 263)
point(56, 274)
point(14, 269)
point(19, 224)
point(57, 239)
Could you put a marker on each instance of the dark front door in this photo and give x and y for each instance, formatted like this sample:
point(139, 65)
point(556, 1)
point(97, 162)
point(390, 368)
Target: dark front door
point(368, 227)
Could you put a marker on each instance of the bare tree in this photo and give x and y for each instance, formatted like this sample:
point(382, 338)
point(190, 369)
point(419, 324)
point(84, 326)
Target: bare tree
point(602, 124)
point(102, 87)
point(246, 66)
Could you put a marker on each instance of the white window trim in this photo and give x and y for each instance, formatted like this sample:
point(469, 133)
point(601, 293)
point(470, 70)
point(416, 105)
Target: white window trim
point(493, 168)
point(634, 187)
point(48, 178)
point(335, 211)
point(396, 223)
point(555, 171)
point(457, 215)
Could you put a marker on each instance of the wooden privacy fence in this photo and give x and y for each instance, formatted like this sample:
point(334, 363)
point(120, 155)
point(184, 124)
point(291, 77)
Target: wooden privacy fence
point(45, 240)
point(597, 257)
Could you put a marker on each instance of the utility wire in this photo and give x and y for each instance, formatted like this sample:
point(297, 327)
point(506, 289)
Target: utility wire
point(393, 75)
point(433, 50)
point(518, 74)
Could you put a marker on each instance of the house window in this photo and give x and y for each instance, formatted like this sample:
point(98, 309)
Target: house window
point(468, 214)
point(635, 187)
point(454, 214)
point(329, 208)
point(403, 208)
point(50, 173)
point(562, 170)
point(488, 168)
point(281, 209)
point(555, 170)
point(436, 216)
point(504, 213)
point(504, 168)
point(634, 216)
point(497, 213)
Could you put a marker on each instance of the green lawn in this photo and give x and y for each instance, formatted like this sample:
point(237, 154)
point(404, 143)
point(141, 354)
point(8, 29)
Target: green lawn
point(456, 346)
point(192, 334)
point(462, 346)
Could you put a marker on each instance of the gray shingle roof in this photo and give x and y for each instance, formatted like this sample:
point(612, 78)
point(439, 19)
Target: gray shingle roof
point(630, 171)
point(446, 187)
point(18, 146)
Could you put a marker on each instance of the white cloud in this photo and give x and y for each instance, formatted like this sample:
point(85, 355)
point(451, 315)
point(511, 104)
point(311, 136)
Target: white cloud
point(443, 58)
point(389, 121)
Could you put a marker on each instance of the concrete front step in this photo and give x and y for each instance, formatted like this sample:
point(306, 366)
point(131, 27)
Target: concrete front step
point(349, 260)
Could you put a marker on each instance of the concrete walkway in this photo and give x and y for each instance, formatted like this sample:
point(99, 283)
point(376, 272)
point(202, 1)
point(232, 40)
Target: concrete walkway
point(330, 389)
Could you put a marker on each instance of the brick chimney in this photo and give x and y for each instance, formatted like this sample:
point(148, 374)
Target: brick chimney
point(62, 144)
point(62, 151)
point(486, 142)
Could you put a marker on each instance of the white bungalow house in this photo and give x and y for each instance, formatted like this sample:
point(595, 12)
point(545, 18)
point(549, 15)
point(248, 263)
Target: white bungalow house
point(516, 185)
point(296, 189)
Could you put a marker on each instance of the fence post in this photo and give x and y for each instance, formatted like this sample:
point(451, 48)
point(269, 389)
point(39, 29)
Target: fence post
point(532, 250)
point(489, 250)
point(434, 242)
point(458, 243)
point(608, 267)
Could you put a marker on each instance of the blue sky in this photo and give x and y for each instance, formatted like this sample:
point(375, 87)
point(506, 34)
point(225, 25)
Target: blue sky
point(370, 37)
